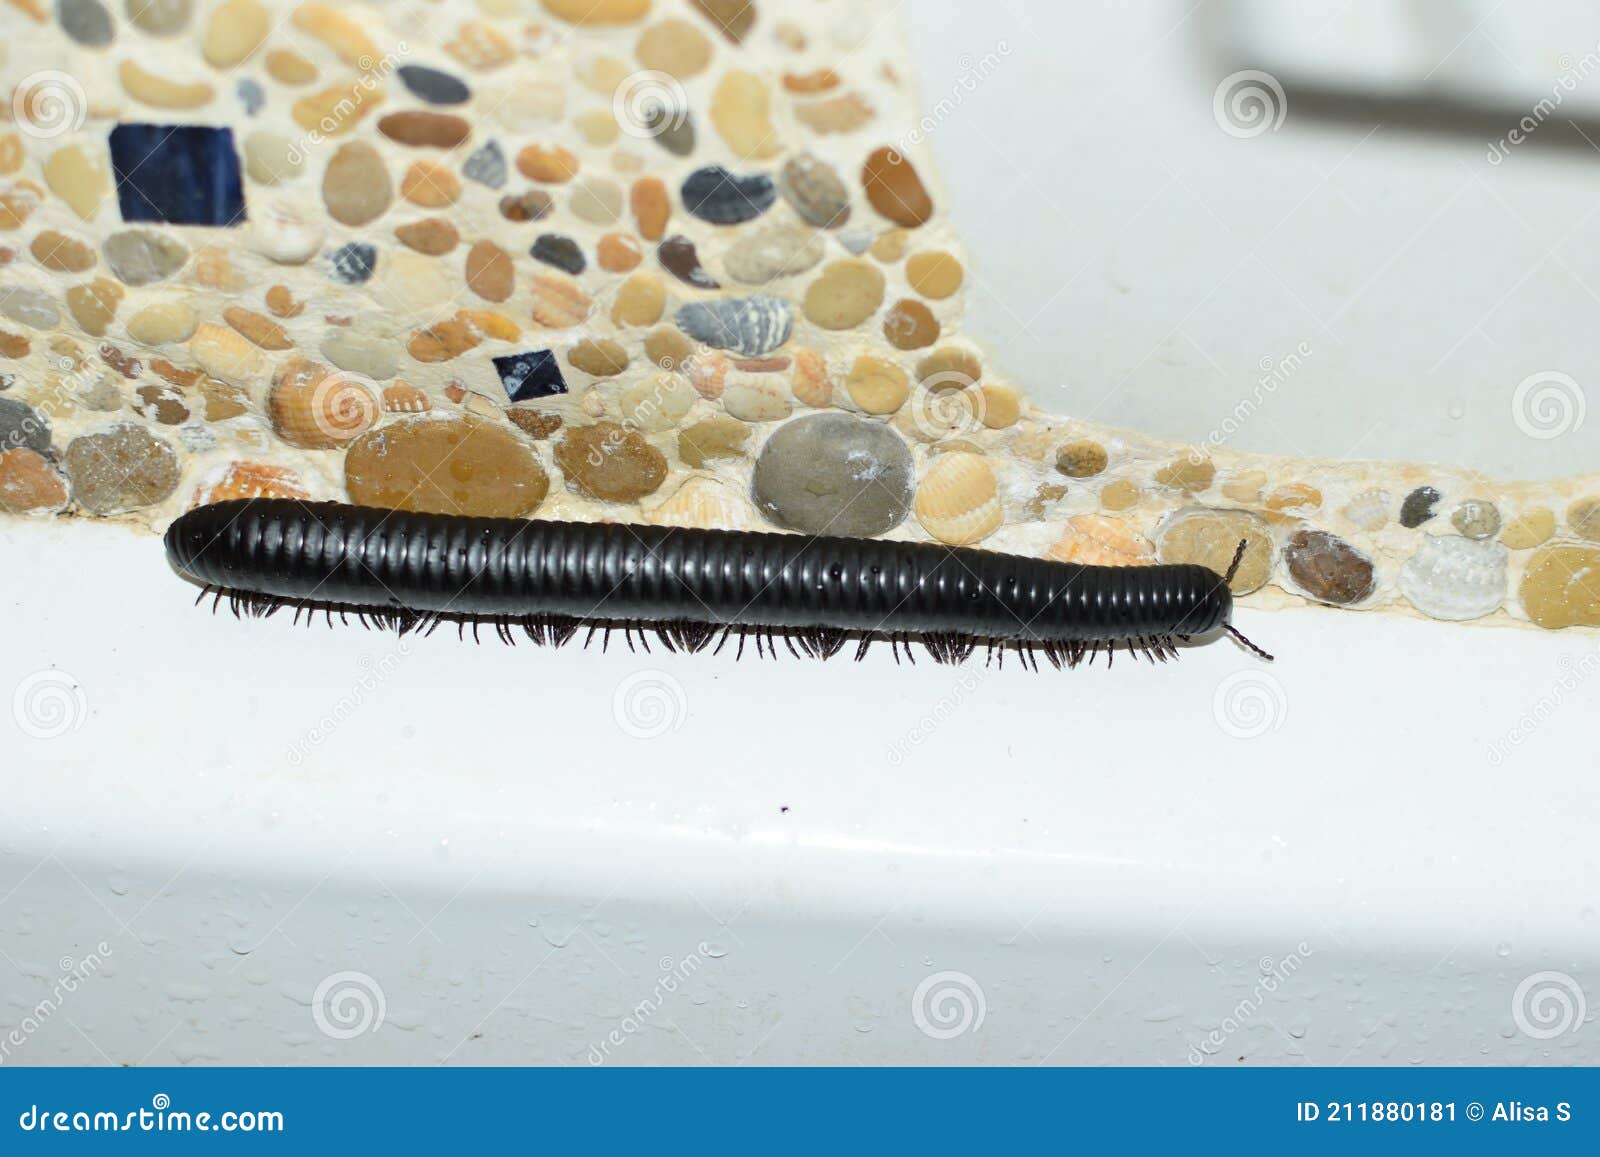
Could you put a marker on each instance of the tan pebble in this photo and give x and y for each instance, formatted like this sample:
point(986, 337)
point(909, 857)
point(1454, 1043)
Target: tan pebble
point(876, 385)
point(558, 302)
point(222, 401)
point(534, 423)
point(1099, 540)
point(711, 439)
point(707, 372)
point(626, 162)
point(337, 109)
point(844, 113)
point(593, 12)
point(226, 355)
point(667, 347)
point(261, 331)
point(160, 91)
point(404, 398)
point(706, 503)
point(733, 18)
point(339, 32)
point(214, 269)
point(164, 322)
point(1529, 530)
point(958, 500)
point(430, 184)
point(617, 253)
point(355, 186)
point(603, 74)
point(949, 368)
point(81, 182)
point(934, 274)
point(1209, 538)
point(16, 206)
point(652, 207)
point(529, 106)
point(281, 302)
point(489, 271)
point(11, 154)
point(1189, 474)
point(611, 463)
point(1082, 458)
point(811, 83)
point(235, 30)
point(317, 409)
point(597, 126)
point(890, 247)
point(271, 158)
point(809, 380)
point(442, 341)
point(847, 293)
point(433, 236)
point(413, 283)
point(656, 403)
point(894, 189)
point(94, 305)
point(1558, 589)
point(287, 66)
point(28, 483)
point(480, 46)
point(599, 357)
point(910, 325)
point(424, 129)
point(640, 301)
point(61, 253)
point(757, 398)
point(549, 163)
point(999, 406)
point(1120, 495)
point(597, 200)
point(1294, 496)
point(251, 480)
point(1245, 487)
point(674, 47)
point(175, 375)
point(456, 465)
point(490, 324)
point(1583, 516)
point(741, 110)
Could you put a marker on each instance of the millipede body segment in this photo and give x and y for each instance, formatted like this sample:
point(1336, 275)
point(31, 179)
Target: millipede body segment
point(692, 587)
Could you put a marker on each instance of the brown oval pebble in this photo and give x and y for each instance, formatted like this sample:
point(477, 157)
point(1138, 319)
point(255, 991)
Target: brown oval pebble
point(356, 186)
point(281, 301)
point(262, 331)
point(1189, 474)
point(162, 404)
point(617, 253)
point(29, 483)
point(910, 325)
point(652, 207)
point(712, 438)
point(61, 253)
point(1327, 568)
point(429, 130)
point(668, 347)
point(445, 466)
point(674, 47)
point(533, 205)
point(433, 236)
point(1081, 459)
point(679, 257)
point(599, 357)
point(286, 66)
point(815, 191)
point(94, 305)
point(1209, 538)
point(733, 18)
point(534, 423)
point(430, 184)
point(935, 275)
point(611, 463)
point(1583, 516)
point(490, 273)
point(894, 189)
point(551, 164)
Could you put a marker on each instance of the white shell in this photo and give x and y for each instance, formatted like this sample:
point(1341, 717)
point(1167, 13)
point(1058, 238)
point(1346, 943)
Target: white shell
point(1455, 578)
point(1369, 510)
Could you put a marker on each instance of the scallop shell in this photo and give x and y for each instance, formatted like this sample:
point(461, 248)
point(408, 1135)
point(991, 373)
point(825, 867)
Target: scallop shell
point(809, 379)
point(558, 302)
point(1100, 540)
point(404, 398)
point(958, 501)
point(251, 480)
point(704, 502)
point(1369, 510)
point(1455, 578)
point(708, 373)
point(318, 410)
point(751, 327)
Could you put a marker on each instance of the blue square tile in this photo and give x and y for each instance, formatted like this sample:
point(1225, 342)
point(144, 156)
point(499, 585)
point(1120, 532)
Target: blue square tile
point(533, 374)
point(177, 174)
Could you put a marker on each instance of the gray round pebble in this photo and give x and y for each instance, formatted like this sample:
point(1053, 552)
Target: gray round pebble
point(1476, 518)
point(140, 256)
point(834, 474)
point(160, 17)
point(432, 85)
point(30, 308)
point(85, 21)
point(22, 428)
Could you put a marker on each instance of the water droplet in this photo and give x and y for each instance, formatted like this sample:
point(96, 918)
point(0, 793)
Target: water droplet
point(1502, 949)
point(1458, 409)
point(715, 950)
point(118, 884)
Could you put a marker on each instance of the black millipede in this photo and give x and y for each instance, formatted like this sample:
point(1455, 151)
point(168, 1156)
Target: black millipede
point(549, 580)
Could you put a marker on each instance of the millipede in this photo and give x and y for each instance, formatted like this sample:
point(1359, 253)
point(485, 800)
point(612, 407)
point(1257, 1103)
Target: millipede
point(550, 581)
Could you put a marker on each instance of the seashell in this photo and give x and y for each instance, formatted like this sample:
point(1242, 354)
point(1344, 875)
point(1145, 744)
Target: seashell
point(279, 233)
point(1100, 540)
point(558, 302)
point(1369, 510)
point(1294, 495)
point(756, 398)
point(749, 326)
point(958, 501)
point(713, 194)
point(317, 409)
point(815, 191)
point(679, 257)
point(1455, 578)
point(707, 373)
point(250, 480)
point(404, 398)
point(809, 378)
point(704, 502)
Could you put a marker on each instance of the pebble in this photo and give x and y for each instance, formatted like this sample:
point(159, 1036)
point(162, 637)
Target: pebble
point(162, 323)
point(1583, 516)
point(949, 368)
point(430, 184)
point(834, 474)
point(272, 158)
point(641, 300)
point(598, 357)
point(765, 254)
point(597, 200)
point(140, 256)
point(668, 348)
point(433, 236)
point(94, 306)
point(999, 406)
point(741, 110)
point(29, 483)
point(1294, 496)
point(657, 403)
point(751, 327)
point(489, 271)
point(124, 468)
point(1101, 540)
point(733, 18)
point(558, 302)
point(551, 164)
point(262, 332)
point(226, 355)
point(811, 83)
point(935, 274)
point(363, 354)
point(1559, 590)
point(236, 29)
point(61, 253)
point(1476, 518)
point(704, 502)
point(840, 114)
point(809, 380)
point(815, 191)
point(679, 257)
point(531, 374)
point(280, 233)
point(86, 21)
point(1209, 538)
point(1418, 507)
point(480, 46)
point(674, 47)
point(562, 252)
point(712, 439)
point(894, 189)
point(910, 325)
point(597, 126)
point(1245, 486)
point(890, 246)
point(617, 253)
point(432, 85)
point(339, 32)
point(534, 423)
point(29, 307)
point(533, 205)
point(445, 465)
point(251, 95)
point(1530, 529)
point(486, 165)
point(672, 130)
point(353, 263)
point(287, 66)
point(651, 206)
point(1327, 568)
point(342, 106)
point(958, 500)
point(877, 385)
point(161, 91)
point(611, 463)
point(162, 405)
point(849, 291)
point(355, 186)
point(1083, 458)
point(427, 130)
point(596, 12)
point(79, 180)
point(160, 17)
point(757, 398)
point(23, 427)
point(714, 194)
point(1455, 579)
point(1188, 475)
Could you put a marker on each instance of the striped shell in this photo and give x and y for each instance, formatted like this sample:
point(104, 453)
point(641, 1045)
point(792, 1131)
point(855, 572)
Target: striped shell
point(958, 501)
point(1455, 578)
point(558, 302)
point(318, 410)
point(751, 327)
point(404, 398)
point(809, 379)
point(1100, 540)
point(250, 480)
point(1369, 510)
point(705, 502)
